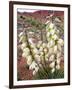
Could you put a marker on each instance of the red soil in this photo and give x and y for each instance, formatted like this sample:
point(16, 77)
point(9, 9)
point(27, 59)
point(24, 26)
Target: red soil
point(23, 72)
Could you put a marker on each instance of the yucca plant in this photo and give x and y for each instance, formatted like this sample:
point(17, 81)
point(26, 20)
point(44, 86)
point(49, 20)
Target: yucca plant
point(44, 57)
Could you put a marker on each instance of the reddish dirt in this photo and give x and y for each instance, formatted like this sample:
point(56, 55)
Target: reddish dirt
point(23, 72)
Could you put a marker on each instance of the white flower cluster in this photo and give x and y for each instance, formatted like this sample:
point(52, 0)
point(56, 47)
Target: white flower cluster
point(25, 49)
point(54, 45)
point(26, 53)
point(42, 52)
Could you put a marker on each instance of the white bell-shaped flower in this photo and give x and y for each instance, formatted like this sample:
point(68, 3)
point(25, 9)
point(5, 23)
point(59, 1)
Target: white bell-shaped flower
point(32, 46)
point(34, 72)
point(39, 44)
point(58, 54)
point(61, 42)
point(33, 65)
point(50, 50)
point(30, 40)
point(41, 53)
point(44, 45)
point(41, 49)
point(36, 69)
point(51, 58)
point(52, 31)
point(45, 50)
point(46, 57)
point(48, 39)
point(55, 49)
point(37, 57)
point(52, 64)
point(55, 37)
point(48, 34)
point(57, 66)
point(26, 50)
point(23, 45)
point(29, 60)
point(51, 26)
point(22, 39)
point(35, 51)
point(52, 43)
point(58, 60)
point(59, 47)
point(25, 54)
point(53, 70)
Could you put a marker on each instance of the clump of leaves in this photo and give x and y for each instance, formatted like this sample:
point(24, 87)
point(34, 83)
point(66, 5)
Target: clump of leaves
point(47, 74)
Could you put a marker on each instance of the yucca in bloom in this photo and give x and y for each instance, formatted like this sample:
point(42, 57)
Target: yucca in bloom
point(42, 53)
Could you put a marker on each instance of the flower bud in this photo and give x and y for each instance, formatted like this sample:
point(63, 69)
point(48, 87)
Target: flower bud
point(22, 39)
point(20, 34)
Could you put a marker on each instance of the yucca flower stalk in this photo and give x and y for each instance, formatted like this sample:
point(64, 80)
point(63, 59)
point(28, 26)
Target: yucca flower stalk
point(54, 45)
